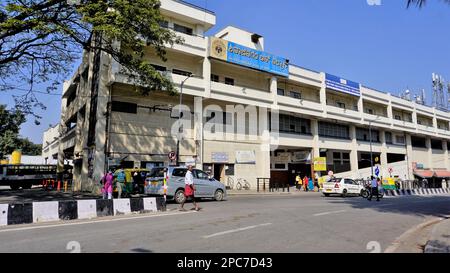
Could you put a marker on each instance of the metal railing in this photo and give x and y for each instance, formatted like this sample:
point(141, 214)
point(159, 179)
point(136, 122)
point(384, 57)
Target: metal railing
point(264, 184)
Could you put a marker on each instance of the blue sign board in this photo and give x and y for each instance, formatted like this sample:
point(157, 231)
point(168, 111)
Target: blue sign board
point(377, 171)
point(241, 55)
point(342, 85)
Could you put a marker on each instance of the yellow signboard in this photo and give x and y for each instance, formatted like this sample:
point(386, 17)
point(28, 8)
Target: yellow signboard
point(320, 164)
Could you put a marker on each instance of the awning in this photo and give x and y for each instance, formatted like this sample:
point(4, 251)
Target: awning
point(424, 173)
point(442, 174)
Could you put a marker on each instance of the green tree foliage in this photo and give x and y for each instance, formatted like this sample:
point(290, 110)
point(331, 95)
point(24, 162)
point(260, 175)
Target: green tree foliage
point(10, 122)
point(40, 40)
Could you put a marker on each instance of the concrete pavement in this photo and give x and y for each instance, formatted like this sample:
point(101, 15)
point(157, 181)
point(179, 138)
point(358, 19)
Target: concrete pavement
point(439, 238)
point(254, 224)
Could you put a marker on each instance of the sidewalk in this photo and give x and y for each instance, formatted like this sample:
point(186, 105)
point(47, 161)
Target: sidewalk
point(292, 191)
point(439, 241)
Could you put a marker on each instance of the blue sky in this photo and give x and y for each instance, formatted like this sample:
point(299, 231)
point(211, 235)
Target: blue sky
point(386, 47)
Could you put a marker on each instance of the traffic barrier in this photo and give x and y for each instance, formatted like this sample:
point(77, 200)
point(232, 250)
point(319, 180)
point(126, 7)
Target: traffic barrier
point(416, 192)
point(39, 212)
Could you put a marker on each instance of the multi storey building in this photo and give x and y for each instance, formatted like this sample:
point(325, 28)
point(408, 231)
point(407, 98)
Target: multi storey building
point(50, 145)
point(310, 114)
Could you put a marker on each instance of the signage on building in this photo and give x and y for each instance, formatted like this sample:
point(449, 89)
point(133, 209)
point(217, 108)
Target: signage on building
point(320, 164)
point(241, 55)
point(301, 156)
point(245, 157)
point(172, 155)
point(342, 85)
point(377, 171)
point(219, 157)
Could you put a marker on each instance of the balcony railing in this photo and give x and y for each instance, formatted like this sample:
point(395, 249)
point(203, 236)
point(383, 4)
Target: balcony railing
point(245, 93)
point(301, 104)
point(352, 114)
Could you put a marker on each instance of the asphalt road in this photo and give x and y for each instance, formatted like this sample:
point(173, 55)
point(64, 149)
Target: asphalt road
point(255, 224)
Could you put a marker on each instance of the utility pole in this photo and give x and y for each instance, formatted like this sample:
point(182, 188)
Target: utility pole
point(179, 117)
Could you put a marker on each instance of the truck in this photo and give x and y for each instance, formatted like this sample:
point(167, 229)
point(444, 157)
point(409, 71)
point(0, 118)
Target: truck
point(25, 176)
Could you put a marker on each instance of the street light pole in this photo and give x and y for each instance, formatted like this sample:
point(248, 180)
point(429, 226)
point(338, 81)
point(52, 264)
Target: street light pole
point(371, 153)
point(179, 117)
point(370, 139)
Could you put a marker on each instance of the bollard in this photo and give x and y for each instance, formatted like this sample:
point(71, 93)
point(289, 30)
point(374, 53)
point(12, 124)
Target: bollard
point(65, 186)
point(59, 185)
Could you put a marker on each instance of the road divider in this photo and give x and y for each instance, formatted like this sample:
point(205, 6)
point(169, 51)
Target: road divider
point(40, 212)
point(416, 192)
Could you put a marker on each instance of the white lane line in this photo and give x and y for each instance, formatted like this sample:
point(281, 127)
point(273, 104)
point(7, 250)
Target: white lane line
point(235, 230)
point(93, 221)
point(329, 212)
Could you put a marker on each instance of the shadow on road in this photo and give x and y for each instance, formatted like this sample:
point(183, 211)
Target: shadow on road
point(141, 250)
point(437, 206)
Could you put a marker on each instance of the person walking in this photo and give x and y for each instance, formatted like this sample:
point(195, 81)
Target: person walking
point(305, 182)
point(189, 189)
point(374, 189)
point(120, 180)
point(298, 181)
point(107, 188)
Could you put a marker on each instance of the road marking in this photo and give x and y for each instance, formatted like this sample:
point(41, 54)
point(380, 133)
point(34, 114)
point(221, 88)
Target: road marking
point(235, 230)
point(93, 221)
point(329, 212)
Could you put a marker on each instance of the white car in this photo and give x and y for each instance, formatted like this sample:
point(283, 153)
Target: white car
point(343, 187)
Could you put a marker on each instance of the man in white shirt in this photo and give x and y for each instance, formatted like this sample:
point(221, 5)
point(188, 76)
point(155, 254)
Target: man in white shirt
point(189, 189)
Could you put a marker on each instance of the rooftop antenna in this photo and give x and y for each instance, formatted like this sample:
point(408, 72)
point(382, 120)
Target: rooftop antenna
point(423, 97)
point(407, 94)
point(448, 96)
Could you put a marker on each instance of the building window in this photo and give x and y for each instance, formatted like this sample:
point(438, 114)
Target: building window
point(124, 107)
point(397, 117)
point(183, 29)
point(229, 81)
point(181, 72)
point(418, 142)
point(294, 125)
point(150, 165)
point(436, 144)
point(164, 24)
point(448, 146)
point(295, 95)
point(400, 139)
point(280, 166)
point(159, 68)
point(363, 134)
point(388, 137)
point(369, 111)
point(214, 78)
point(341, 161)
point(280, 92)
point(340, 105)
point(419, 122)
point(334, 130)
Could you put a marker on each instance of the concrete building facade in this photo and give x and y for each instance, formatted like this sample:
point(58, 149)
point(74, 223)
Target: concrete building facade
point(247, 114)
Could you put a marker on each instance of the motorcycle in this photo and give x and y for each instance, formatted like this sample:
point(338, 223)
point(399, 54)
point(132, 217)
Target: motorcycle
point(365, 193)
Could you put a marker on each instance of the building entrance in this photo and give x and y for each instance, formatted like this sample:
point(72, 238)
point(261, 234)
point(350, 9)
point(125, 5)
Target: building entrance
point(301, 169)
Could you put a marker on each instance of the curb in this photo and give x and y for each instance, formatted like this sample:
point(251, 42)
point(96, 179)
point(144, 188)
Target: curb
point(439, 241)
point(40, 212)
point(416, 192)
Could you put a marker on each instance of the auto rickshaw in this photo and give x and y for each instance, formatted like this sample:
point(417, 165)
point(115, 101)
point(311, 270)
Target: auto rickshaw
point(389, 184)
point(130, 186)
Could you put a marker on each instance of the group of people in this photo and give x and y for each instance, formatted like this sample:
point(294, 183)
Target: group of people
point(119, 178)
point(305, 184)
